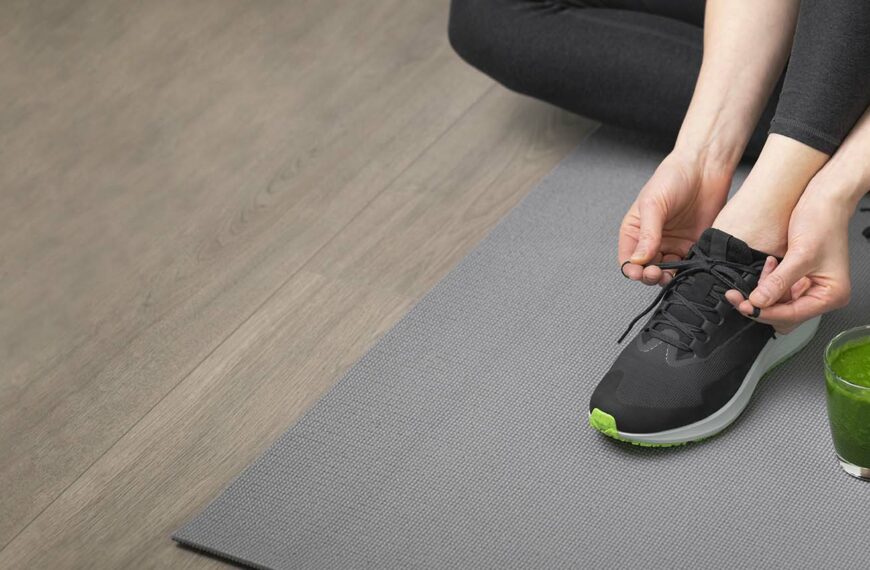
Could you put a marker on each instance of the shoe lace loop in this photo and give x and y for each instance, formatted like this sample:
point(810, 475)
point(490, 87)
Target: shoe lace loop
point(727, 273)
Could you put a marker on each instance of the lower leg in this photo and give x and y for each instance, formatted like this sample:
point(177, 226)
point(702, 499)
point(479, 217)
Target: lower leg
point(759, 212)
point(827, 87)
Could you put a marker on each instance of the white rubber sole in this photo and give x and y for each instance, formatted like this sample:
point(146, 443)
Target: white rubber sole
point(776, 351)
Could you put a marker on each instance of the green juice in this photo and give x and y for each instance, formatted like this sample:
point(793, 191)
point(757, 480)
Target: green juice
point(849, 400)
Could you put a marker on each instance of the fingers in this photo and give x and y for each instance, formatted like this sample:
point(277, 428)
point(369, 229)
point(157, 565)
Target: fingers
point(641, 243)
point(628, 232)
point(668, 274)
point(778, 282)
point(796, 290)
point(808, 300)
point(820, 295)
point(784, 317)
point(801, 287)
point(652, 218)
point(782, 323)
point(769, 265)
point(734, 297)
point(651, 273)
point(633, 271)
point(628, 238)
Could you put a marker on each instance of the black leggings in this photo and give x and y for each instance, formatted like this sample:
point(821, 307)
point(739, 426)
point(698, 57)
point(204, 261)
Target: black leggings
point(634, 63)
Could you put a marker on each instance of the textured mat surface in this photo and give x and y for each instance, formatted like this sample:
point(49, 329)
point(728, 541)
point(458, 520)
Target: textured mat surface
point(460, 439)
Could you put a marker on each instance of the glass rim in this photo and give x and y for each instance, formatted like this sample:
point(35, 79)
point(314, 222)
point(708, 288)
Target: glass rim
point(828, 369)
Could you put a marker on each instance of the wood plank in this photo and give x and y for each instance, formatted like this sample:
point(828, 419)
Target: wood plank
point(165, 167)
point(249, 390)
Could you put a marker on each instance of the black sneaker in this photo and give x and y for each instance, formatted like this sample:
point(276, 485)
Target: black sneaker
point(692, 369)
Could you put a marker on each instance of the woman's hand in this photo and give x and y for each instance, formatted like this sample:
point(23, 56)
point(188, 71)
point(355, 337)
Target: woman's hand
point(678, 203)
point(813, 277)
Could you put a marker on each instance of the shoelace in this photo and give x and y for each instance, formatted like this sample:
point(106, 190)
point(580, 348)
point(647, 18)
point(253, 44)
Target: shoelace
point(728, 273)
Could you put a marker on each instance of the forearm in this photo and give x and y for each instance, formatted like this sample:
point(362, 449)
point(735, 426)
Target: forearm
point(746, 44)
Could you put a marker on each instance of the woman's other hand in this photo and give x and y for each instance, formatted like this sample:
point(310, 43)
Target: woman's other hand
point(815, 269)
point(813, 277)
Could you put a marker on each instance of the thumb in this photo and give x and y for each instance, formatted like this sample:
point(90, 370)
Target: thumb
point(649, 241)
point(778, 283)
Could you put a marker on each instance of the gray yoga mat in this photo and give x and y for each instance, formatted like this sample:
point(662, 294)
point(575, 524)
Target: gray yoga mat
point(460, 439)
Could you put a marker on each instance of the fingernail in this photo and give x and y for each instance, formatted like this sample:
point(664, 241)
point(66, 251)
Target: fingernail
point(638, 254)
point(761, 296)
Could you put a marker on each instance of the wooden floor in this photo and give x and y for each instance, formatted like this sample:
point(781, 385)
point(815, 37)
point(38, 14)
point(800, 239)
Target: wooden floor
point(208, 211)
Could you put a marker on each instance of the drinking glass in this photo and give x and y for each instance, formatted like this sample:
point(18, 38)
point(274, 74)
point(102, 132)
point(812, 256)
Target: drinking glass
point(847, 375)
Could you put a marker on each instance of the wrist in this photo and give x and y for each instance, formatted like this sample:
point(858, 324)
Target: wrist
point(711, 145)
point(842, 181)
point(712, 173)
point(711, 151)
point(834, 193)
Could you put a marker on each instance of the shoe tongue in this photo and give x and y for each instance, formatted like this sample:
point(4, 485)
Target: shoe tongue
point(720, 245)
point(697, 287)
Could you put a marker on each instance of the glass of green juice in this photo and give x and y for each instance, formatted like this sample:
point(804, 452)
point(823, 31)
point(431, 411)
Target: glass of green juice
point(847, 377)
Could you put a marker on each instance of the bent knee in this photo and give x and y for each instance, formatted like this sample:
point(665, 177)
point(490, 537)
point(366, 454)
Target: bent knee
point(505, 39)
point(481, 32)
point(464, 29)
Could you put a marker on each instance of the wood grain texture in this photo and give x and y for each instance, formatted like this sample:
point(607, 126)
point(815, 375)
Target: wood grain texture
point(165, 168)
point(210, 211)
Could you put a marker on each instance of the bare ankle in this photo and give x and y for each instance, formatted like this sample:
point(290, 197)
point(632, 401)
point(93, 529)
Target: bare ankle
point(762, 224)
point(759, 213)
point(768, 236)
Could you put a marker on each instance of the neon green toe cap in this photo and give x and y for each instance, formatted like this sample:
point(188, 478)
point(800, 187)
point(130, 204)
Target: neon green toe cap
point(606, 424)
point(603, 422)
